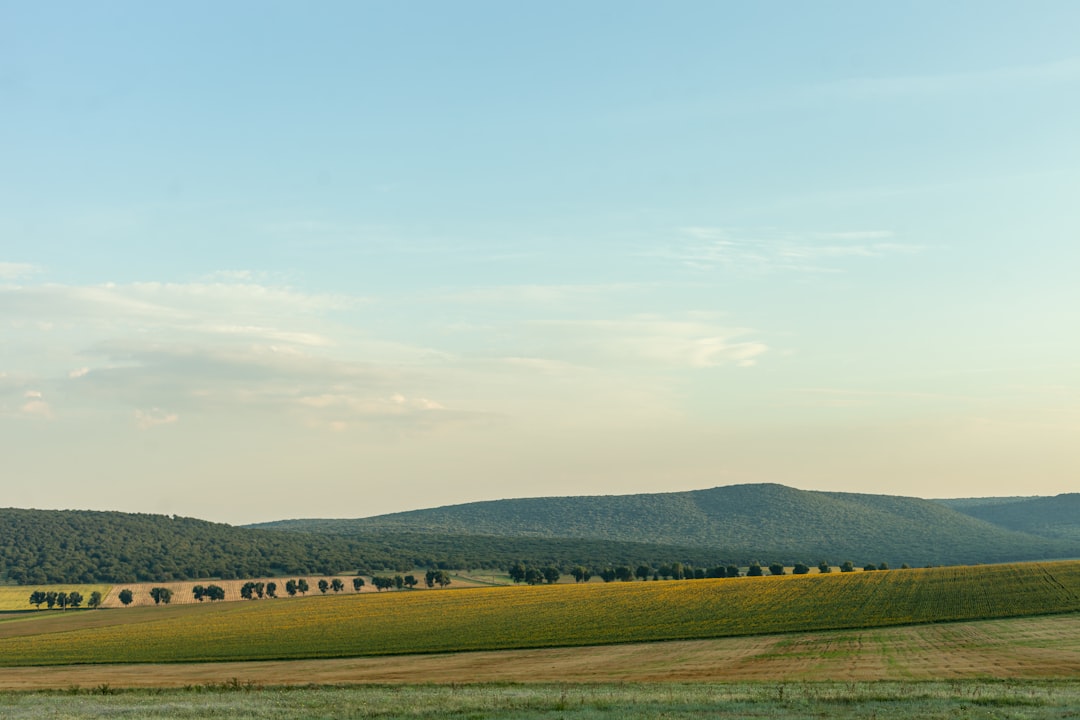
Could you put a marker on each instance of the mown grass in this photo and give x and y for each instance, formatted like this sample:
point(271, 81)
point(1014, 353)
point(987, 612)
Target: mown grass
point(548, 616)
point(1030, 700)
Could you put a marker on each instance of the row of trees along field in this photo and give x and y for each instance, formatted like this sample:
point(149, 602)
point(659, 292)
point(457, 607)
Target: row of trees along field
point(62, 599)
point(521, 572)
point(253, 590)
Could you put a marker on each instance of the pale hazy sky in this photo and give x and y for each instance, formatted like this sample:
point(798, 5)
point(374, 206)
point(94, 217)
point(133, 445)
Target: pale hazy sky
point(263, 260)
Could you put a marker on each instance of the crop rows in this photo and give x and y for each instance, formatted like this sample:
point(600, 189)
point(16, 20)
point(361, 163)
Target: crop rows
point(560, 615)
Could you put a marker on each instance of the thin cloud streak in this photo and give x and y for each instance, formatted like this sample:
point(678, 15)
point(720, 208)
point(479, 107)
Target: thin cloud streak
point(713, 248)
point(1059, 72)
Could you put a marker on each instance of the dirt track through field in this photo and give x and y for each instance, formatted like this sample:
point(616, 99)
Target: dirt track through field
point(1047, 647)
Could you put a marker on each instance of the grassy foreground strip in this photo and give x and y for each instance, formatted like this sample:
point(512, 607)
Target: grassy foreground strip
point(1032, 700)
point(544, 616)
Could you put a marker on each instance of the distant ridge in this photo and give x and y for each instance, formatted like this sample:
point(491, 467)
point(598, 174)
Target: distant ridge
point(735, 524)
point(756, 521)
point(1050, 517)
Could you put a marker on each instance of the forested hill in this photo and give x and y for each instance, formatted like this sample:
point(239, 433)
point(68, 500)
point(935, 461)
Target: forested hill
point(39, 546)
point(68, 546)
point(1051, 517)
point(742, 521)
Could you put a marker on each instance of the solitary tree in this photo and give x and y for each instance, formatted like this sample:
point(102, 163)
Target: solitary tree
point(411, 581)
point(336, 585)
point(259, 588)
point(50, 599)
point(271, 589)
point(824, 567)
point(290, 587)
point(302, 586)
point(847, 566)
point(62, 600)
point(74, 598)
point(551, 574)
point(215, 592)
point(126, 597)
point(754, 570)
point(883, 566)
point(399, 582)
point(776, 569)
point(869, 567)
point(37, 598)
point(643, 572)
point(95, 600)
point(323, 586)
point(357, 583)
point(800, 569)
point(199, 592)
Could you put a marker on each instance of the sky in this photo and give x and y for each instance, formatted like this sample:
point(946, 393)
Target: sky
point(265, 260)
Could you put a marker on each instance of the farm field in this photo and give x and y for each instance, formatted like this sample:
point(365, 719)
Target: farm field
point(926, 701)
point(1040, 648)
point(16, 597)
point(500, 618)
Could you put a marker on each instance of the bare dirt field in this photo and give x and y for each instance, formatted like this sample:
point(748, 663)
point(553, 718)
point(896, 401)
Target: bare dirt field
point(1044, 648)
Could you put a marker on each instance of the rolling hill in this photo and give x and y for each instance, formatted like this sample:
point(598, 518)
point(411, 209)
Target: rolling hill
point(735, 524)
point(741, 522)
point(1049, 517)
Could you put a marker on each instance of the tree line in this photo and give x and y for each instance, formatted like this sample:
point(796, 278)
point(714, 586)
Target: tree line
point(62, 599)
point(521, 572)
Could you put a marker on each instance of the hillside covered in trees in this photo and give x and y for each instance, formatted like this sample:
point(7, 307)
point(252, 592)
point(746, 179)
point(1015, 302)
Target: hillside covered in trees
point(67, 546)
point(1049, 517)
point(741, 522)
point(737, 524)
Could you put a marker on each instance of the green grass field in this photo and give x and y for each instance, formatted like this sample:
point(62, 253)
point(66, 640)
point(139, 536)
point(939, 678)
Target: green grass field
point(543, 616)
point(792, 701)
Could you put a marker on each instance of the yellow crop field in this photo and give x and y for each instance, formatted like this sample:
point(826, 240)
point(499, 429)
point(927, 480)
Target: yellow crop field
point(17, 597)
point(548, 616)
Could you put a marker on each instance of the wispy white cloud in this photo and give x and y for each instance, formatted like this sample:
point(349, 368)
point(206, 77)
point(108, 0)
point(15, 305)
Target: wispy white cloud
point(677, 343)
point(154, 417)
point(1063, 71)
point(539, 294)
point(36, 405)
point(711, 248)
point(13, 271)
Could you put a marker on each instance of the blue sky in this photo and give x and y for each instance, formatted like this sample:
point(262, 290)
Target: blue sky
point(265, 260)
